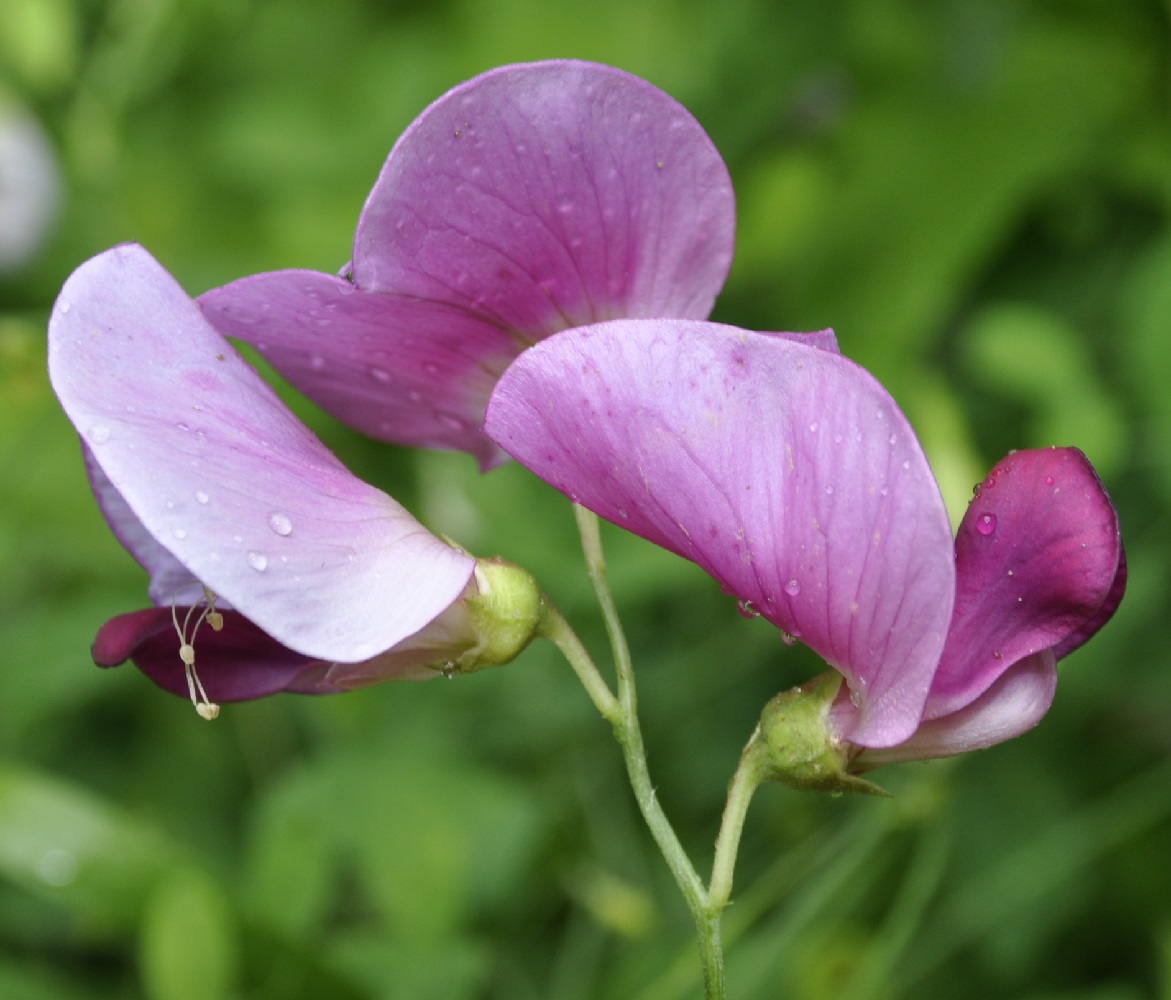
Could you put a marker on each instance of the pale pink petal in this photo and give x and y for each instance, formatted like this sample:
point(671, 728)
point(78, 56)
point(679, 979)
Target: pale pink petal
point(225, 478)
point(1012, 705)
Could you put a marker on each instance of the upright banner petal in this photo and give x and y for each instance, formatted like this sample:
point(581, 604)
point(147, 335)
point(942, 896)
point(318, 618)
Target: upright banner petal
point(550, 195)
point(785, 471)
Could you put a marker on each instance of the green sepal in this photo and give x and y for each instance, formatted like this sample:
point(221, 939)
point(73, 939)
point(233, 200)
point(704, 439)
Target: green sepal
point(797, 745)
point(504, 614)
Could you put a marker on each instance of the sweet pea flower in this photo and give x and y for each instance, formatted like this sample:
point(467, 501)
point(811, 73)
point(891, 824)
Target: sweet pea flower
point(789, 474)
point(525, 201)
point(283, 570)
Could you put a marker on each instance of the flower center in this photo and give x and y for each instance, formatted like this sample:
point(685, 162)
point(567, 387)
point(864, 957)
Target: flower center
point(206, 708)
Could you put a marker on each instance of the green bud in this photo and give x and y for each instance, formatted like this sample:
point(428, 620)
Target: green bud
point(796, 744)
point(503, 614)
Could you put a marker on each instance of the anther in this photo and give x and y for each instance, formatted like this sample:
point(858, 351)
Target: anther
point(204, 706)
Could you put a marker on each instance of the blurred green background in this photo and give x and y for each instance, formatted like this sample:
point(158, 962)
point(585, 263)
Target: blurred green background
point(975, 193)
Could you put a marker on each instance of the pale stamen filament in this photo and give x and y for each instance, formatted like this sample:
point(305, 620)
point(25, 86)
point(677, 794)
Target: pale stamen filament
point(206, 708)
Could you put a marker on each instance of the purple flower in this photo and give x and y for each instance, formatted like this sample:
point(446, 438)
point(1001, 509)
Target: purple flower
point(789, 474)
point(525, 201)
point(266, 555)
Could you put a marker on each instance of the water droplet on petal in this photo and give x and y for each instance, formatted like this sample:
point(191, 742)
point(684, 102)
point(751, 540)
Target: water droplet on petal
point(201, 496)
point(747, 609)
point(415, 396)
point(63, 307)
point(316, 360)
point(813, 427)
point(180, 533)
point(1048, 480)
point(986, 524)
point(787, 639)
point(793, 588)
point(280, 523)
point(258, 561)
point(99, 434)
point(431, 368)
point(380, 375)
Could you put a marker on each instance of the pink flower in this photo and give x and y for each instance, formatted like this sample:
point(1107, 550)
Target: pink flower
point(265, 554)
point(525, 201)
point(789, 474)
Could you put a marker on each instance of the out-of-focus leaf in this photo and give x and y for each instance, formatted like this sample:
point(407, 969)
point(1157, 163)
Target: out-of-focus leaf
point(1032, 357)
point(70, 847)
point(430, 841)
point(188, 947)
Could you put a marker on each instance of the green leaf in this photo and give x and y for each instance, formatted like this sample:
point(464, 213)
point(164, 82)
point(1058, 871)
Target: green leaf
point(188, 949)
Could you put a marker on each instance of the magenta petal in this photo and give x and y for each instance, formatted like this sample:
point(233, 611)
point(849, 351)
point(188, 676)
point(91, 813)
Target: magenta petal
point(399, 369)
point(549, 195)
point(1038, 566)
point(785, 471)
point(226, 479)
point(235, 664)
point(1014, 704)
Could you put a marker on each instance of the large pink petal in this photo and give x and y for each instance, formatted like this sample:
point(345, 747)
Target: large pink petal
point(1038, 566)
point(549, 195)
point(225, 478)
point(785, 471)
point(397, 368)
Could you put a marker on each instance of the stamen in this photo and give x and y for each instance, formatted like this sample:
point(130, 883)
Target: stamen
point(204, 706)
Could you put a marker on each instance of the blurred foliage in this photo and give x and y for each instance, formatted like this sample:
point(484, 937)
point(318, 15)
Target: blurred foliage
point(975, 193)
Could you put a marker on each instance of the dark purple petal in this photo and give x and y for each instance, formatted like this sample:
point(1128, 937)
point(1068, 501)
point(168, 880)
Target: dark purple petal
point(549, 195)
point(785, 471)
point(397, 368)
point(224, 477)
point(1038, 566)
point(1017, 700)
point(235, 664)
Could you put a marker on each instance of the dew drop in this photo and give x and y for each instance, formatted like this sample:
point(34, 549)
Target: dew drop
point(986, 524)
point(63, 307)
point(454, 423)
point(201, 496)
point(258, 561)
point(316, 360)
point(793, 588)
point(907, 463)
point(415, 396)
point(829, 491)
point(380, 374)
point(183, 426)
point(883, 492)
point(431, 368)
point(623, 512)
point(837, 439)
point(1048, 480)
point(180, 534)
point(747, 609)
point(813, 427)
point(99, 434)
point(280, 523)
point(787, 639)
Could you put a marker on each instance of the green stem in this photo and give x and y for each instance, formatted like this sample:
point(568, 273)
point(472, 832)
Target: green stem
point(629, 736)
point(747, 779)
point(555, 628)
